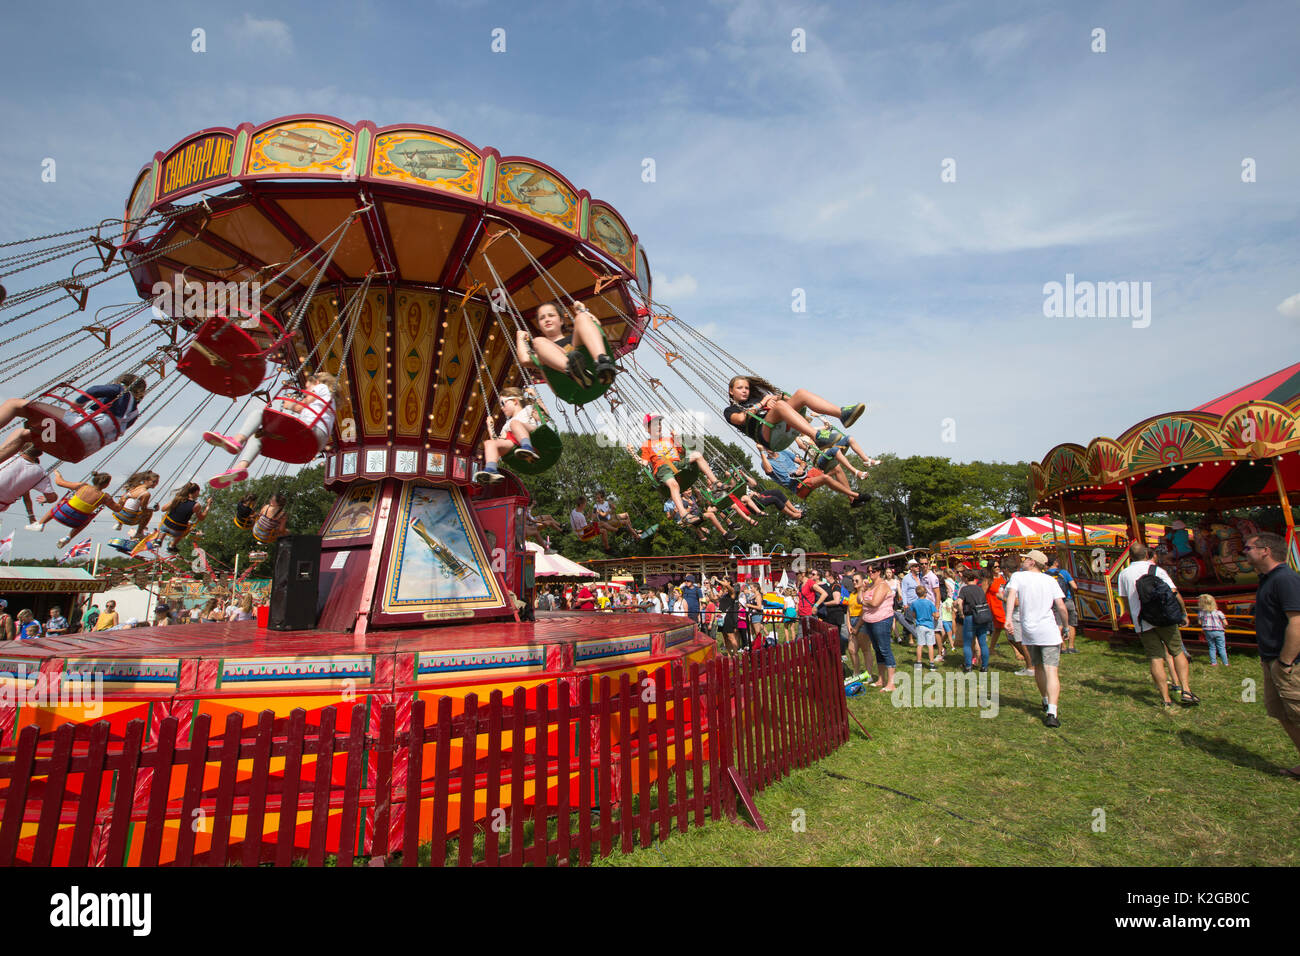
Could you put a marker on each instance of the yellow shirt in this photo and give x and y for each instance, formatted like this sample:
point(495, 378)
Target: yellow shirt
point(855, 606)
point(106, 620)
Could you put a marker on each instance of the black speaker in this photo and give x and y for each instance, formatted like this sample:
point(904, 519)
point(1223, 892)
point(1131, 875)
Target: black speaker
point(294, 583)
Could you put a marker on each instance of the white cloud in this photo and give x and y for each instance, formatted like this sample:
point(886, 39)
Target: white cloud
point(670, 288)
point(993, 46)
point(1290, 307)
point(272, 33)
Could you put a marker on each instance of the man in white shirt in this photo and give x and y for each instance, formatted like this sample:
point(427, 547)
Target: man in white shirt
point(1034, 598)
point(23, 474)
point(1157, 640)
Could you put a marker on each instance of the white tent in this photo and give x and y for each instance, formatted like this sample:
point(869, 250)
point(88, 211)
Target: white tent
point(556, 566)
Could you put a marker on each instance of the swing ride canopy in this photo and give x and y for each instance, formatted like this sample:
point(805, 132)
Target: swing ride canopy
point(418, 223)
point(1231, 452)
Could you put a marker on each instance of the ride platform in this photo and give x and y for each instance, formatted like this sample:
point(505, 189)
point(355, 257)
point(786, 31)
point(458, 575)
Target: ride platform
point(183, 671)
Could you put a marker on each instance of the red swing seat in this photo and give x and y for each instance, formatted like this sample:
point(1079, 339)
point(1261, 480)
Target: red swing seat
point(228, 356)
point(285, 436)
point(75, 440)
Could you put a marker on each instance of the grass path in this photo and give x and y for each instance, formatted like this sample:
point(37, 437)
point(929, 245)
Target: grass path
point(945, 786)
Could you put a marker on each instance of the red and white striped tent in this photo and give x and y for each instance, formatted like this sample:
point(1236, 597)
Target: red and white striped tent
point(556, 567)
point(1016, 531)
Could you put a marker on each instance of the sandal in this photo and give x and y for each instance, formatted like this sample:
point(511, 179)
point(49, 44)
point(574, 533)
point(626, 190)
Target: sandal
point(1189, 699)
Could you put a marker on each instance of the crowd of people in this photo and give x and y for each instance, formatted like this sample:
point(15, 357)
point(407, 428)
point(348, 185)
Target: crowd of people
point(1027, 599)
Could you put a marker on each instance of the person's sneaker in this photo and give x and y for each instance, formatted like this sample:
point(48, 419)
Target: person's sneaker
point(606, 370)
point(63, 542)
point(851, 413)
point(35, 526)
point(1024, 672)
point(825, 438)
point(219, 440)
point(1051, 720)
point(228, 478)
point(485, 477)
point(860, 501)
point(577, 369)
point(527, 453)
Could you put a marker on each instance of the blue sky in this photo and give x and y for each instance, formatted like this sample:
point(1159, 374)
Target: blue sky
point(778, 170)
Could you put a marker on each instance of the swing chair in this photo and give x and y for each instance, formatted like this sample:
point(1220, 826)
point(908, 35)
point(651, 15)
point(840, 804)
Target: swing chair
point(546, 442)
point(285, 436)
point(69, 430)
point(227, 356)
point(567, 389)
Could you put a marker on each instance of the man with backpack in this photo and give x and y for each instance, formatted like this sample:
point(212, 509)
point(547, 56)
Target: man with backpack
point(1157, 611)
point(1066, 580)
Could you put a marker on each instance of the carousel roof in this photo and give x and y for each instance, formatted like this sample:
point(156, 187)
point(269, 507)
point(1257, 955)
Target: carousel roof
point(1228, 453)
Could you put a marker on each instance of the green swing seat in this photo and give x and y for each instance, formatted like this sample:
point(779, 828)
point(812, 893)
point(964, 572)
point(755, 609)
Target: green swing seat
point(566, 389)
point(685, 478)
point(547, 444)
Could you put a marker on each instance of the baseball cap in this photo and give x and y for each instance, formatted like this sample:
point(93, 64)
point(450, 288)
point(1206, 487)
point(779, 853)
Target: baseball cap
point(911, 562)
point(1037, 556)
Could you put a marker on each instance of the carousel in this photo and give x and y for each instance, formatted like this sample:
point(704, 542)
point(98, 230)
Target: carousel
point(403, 263)
point(1228, 464)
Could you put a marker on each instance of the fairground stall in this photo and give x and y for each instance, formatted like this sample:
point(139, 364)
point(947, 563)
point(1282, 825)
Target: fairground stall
point(1019, 534)
point(1229, 463)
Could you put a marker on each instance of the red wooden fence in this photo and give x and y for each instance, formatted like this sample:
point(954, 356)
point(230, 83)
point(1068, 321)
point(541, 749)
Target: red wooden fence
point(593, 769)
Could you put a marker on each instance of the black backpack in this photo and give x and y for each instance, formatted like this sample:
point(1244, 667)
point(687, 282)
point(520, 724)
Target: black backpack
point(1159, 606)
point(981, 614)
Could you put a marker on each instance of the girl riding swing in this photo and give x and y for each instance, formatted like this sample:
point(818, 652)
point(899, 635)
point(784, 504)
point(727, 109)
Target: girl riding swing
point(774, 420)
point(563, 353)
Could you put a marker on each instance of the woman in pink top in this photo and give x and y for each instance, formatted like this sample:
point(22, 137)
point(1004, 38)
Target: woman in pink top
point(877, 600)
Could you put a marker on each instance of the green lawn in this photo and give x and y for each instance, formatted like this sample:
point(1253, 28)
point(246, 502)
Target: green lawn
point(944, 786)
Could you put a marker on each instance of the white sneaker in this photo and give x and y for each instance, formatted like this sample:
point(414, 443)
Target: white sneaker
point(63, 542)
point(35, 526)
point(1024, 672)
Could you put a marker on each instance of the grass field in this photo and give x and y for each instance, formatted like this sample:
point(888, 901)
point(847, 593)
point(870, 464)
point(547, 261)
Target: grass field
point(945, 786)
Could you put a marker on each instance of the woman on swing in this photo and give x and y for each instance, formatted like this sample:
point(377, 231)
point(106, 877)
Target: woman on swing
point(272, 521)
point(79, 508)
point(244, 511)
point(132, 509)
point(556, 350)
point(182, 511)
point(662, 456)
point(774, 420)
point(109, 411)
point(516, 435)
point(316, 409)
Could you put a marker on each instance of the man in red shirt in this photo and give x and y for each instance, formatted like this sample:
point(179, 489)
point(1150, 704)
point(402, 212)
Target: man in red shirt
point(810, 595)
point(585, 600)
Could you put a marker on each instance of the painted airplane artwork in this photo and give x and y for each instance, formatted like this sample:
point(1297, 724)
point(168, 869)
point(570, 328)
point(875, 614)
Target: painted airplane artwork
point(438, 560)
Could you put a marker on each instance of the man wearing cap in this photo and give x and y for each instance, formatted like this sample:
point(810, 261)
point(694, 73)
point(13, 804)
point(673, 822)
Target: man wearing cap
point(1039, 600)
point(907, 586)
point(1071, 620)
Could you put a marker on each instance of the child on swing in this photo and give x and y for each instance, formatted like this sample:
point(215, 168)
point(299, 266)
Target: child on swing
point(556, 350)
point(272, 521)
point(109, 411)
point(774, 420)
point(182, 512)
point(77, 509)
point(132, 509)
point(22, 476)
point(244, 512)
point(663, 454)
point(835, 453)
point(315, 409)
point(515, 435)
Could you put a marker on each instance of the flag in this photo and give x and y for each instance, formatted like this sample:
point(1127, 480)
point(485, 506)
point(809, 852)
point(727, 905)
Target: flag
point(785, 579)
point(78, 550)
point(6, 544)
point(148, 546)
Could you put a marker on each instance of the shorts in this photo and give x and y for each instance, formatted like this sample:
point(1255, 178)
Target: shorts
point(663, 473)
point(947, 627)
point(924, 636)
point(1282, 691)
point(802, 490)
point(1071, 615)
point(1044, 655)
point(1155, 640)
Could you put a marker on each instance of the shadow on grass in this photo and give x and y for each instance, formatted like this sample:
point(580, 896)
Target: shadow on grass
point(1143, 693)
point(1228, 751)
